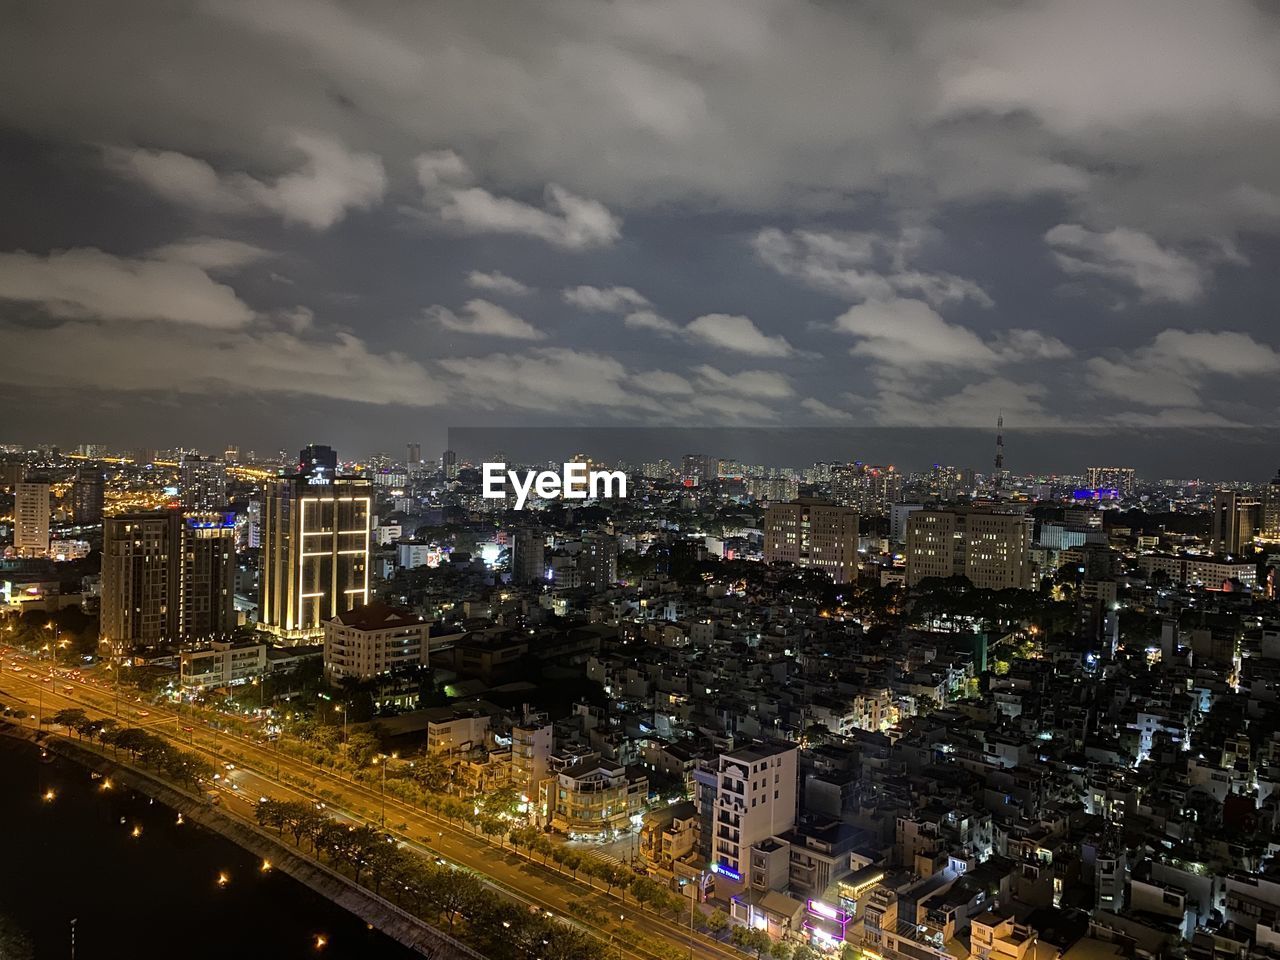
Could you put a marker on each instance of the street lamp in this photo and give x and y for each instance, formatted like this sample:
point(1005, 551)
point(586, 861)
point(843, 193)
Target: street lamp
point(343, 708)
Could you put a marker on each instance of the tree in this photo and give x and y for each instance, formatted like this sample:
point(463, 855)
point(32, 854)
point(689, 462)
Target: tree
point(780, 950)
point(717, 922)
point(458, 895)
point(505, 801)
point(73, 718)
point(361, 749)
point(749, 938)
point(432, 772)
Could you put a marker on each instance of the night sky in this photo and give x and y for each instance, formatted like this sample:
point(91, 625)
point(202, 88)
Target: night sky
point(266, 222)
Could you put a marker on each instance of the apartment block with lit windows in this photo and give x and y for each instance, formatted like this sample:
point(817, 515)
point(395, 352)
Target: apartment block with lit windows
point(167, 578)
point(992, 549)
point(813, 534)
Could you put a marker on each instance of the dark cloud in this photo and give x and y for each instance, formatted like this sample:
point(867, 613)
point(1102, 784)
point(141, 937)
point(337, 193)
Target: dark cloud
point(729, 210)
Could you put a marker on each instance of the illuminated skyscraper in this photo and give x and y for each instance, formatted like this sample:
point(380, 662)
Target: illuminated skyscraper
point(1122, 479)
point(1271, 509)
point(1235, 522)
point(202, 484)
point(167, 578)
point(315, 552)
point(31, 515)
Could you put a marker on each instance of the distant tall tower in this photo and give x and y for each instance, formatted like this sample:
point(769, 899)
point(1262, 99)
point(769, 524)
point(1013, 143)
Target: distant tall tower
point(997, 476)
point(202, 484)
point(87, 495)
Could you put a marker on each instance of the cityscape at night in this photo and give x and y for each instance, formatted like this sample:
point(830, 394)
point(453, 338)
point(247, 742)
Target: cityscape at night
point(639, 479)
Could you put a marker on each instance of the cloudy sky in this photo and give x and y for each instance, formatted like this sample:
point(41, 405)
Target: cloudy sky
point(255, 221)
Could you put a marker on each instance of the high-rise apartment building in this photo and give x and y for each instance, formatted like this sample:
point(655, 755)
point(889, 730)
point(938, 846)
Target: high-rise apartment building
point(598, 561)
point(449, 464)
point(528, 556)
point(1235, 521)
point(992, 549)
point(755, 798)
point(316, 533)
point(1123, 479)
point(813, 534)
point(202, 484)
point(699, 469)
point(868, 489)
point(31, 518)
point(88, 494)
point(1271, 509)
point(413, 455)
point(167, 578)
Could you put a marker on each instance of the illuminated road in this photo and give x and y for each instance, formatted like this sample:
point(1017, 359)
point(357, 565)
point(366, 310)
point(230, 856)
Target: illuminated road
point(254, 777)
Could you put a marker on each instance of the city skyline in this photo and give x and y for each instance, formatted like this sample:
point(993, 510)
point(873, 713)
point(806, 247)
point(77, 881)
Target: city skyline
point(306, 222)
point(641, 479)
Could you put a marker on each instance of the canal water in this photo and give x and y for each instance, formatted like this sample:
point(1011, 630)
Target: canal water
point(140, 885)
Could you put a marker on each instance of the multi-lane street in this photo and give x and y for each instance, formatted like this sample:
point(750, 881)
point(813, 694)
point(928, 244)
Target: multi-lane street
point(258, 769)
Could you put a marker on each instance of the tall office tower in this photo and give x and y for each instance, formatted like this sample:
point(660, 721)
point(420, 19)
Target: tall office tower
point(814, 534)
point(528, 556)
point(413, 455)
point(1122, 479)
point(1236, 520)
point(992, 549)
point(88, 492)
point(755, 799)
point(202, 484)
point(449, 464)
point(316, 534)
point(231, 455)
point(1271, 509)
point(318, 460)
point(167, 578)
point(598, 561)
point(31, 516)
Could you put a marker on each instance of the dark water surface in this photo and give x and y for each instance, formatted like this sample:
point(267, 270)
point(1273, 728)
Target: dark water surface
point(154, 895)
